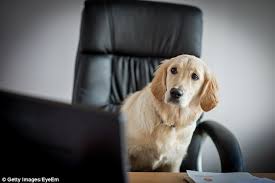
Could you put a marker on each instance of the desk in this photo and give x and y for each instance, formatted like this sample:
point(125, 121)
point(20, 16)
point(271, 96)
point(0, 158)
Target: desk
point(152, 177)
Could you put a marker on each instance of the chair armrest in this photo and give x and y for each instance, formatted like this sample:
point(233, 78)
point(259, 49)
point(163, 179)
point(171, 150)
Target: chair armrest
point(226, 143)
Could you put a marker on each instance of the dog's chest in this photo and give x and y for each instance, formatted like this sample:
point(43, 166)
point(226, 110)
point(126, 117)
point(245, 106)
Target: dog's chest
point(172, 146)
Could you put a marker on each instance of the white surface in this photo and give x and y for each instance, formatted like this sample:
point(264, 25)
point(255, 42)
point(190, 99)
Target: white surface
point(236, 177)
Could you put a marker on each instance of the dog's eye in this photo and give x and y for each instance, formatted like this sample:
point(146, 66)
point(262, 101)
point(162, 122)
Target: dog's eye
point(174, 70)
point(195, 76)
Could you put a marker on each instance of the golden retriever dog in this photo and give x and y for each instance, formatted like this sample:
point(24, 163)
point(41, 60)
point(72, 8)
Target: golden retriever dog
point(162, 116)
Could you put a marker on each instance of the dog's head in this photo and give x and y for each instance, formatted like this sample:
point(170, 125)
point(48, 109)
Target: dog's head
point(183, 79)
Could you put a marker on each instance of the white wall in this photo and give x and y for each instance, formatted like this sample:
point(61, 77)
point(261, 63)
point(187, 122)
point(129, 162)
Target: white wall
point(38, 48)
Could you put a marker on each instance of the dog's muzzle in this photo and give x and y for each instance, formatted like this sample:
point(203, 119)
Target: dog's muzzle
point(176, 94)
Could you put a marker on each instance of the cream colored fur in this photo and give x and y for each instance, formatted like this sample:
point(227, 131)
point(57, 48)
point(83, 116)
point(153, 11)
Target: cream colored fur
point(158, 131)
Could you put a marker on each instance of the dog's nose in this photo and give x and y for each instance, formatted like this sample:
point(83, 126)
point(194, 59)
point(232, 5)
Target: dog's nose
point(176, 93)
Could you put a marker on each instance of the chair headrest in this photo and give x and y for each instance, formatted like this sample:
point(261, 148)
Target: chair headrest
point(140, 28)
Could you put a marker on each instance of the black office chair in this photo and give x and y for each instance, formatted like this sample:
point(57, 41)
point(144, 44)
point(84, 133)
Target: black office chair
point(122, 42)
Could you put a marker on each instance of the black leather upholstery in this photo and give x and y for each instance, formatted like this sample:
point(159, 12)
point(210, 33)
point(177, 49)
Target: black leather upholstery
point(105, 80)
point(140, 28)
point(226, 143)
point(121, 44)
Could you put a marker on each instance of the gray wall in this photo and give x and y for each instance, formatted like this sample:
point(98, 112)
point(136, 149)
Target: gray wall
point(38, 48)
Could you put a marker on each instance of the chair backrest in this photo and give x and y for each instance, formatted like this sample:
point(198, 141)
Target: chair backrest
point(122, 42)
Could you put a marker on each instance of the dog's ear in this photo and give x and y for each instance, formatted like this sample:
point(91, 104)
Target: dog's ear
point(158, 84)
point(209, 96)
